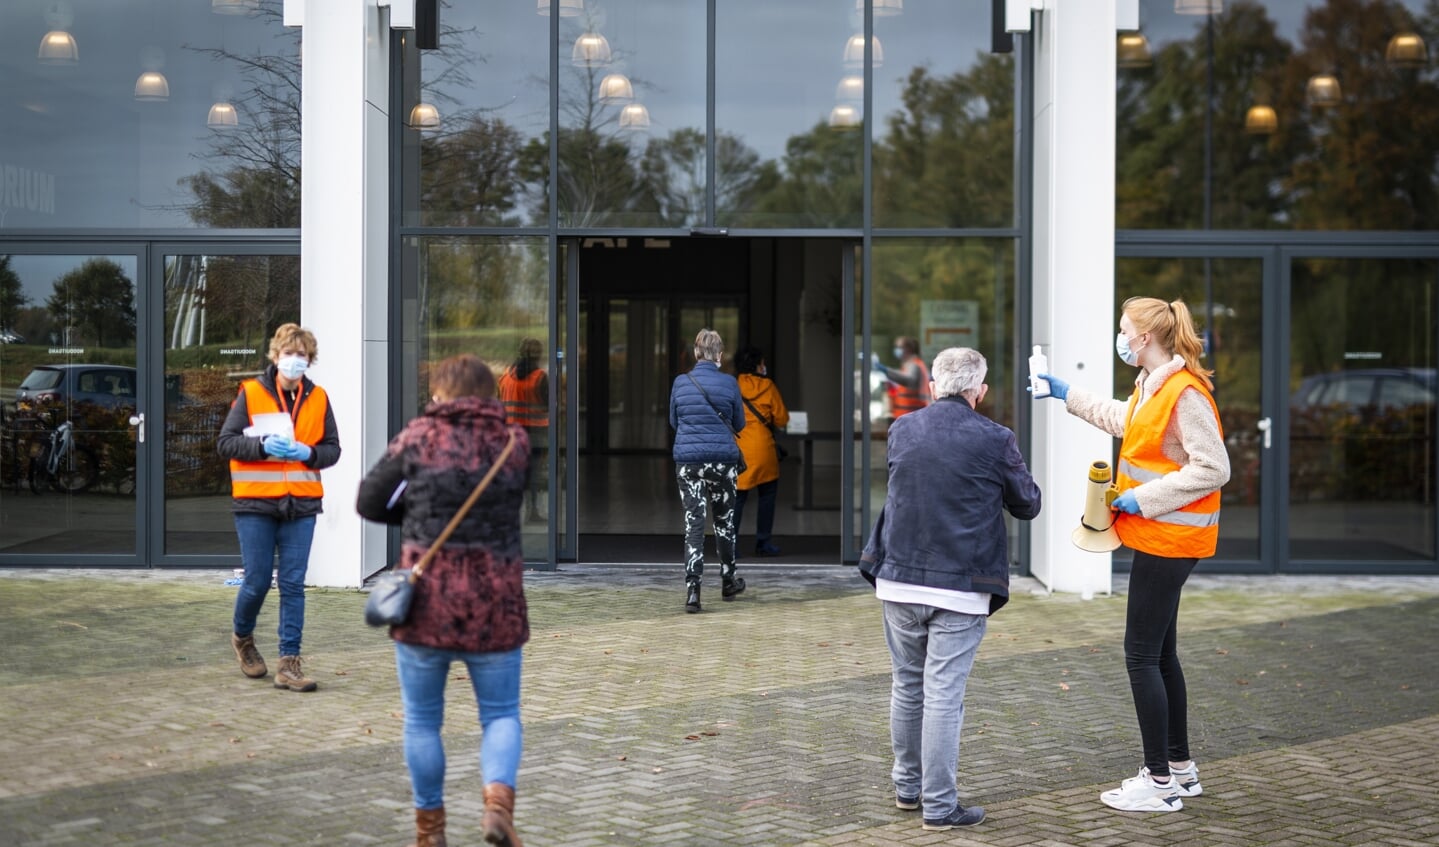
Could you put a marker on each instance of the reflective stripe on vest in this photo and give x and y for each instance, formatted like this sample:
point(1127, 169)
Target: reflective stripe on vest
point(524, 403)
point(273, 478)
point(1191, 531)
point(907, 399)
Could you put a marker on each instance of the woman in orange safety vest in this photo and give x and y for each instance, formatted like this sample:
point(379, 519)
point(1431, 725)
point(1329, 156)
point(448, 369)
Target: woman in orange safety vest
point(275, 483)
point(525, 390)
point(1172, 463)
point(909, 383)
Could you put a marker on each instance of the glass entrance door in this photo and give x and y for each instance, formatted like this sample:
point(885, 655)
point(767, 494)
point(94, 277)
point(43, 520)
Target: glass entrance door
point(72, 405)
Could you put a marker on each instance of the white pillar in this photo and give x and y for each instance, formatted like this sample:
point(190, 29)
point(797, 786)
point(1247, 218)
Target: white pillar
point(1074, 315)
point(344, 260)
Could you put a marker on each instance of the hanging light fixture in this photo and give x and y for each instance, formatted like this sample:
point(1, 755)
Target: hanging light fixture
point(1198, 7)
point(58, 46)
point(1133, 51)
point(424, 117)
point(591, 50)
point(854, 52)
point(1323, 91)
point(616, 88)
point(568, 8)
point(234, 7)
point(844, 116)
point(882, 8)
point(151, 86)
point(635, 117)
point(850, 89)
point(222, 116)
point(1261, 120)
point(1407, 50)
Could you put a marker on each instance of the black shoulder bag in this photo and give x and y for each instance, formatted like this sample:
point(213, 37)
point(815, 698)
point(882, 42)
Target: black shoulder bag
point(779, 452)
point(743, 465)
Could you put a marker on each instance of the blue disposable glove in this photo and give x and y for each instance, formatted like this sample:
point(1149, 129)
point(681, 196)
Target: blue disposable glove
point(875, 364)
point(1126, 502)
point(1058, 388)
point(299, 452)
point(277, 445)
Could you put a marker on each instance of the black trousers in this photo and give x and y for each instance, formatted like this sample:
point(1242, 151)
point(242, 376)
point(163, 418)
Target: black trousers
point(1155, 675)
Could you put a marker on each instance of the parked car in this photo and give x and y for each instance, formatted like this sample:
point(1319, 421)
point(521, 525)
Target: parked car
point(1378, 390)
point(110, 386)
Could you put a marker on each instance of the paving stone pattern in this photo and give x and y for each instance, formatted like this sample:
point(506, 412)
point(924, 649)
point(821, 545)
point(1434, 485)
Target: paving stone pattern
point(1314, 712)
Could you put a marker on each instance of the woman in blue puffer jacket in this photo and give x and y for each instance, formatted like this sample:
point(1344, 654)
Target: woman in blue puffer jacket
point(706, 412)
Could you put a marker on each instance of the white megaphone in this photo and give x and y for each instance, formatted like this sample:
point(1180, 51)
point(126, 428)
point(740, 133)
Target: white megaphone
point(1095, 532)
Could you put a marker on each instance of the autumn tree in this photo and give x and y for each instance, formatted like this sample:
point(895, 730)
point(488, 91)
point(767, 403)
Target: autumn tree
point(95, 303)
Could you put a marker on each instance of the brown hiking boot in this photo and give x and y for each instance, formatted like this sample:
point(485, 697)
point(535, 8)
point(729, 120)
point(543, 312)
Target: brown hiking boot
point(290, 676)
point(498, 823)
point(252, 664)
point(430, 828)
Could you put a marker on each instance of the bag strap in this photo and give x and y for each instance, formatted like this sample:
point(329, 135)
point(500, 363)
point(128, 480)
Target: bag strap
point(459, 516)
point(712, 403)
point(757, 414)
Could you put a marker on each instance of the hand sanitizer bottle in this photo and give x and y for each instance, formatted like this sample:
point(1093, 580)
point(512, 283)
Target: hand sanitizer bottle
point(1038, 364)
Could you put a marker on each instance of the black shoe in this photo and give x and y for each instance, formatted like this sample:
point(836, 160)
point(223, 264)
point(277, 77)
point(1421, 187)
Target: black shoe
point(959, 817)
point(764, 548)
point(731, 588)
point(692, 598)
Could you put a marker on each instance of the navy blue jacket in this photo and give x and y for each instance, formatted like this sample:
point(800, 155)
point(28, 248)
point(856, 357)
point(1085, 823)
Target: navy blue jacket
point(952, 473)
point(702, 431)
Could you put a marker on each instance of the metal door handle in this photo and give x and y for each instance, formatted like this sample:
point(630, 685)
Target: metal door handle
point(1265, 426)
point(138, 420)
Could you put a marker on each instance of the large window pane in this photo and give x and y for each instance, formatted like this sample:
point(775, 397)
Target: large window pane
point(1315, 120)
point(787, 153)
point(944, 119)
point(489, 297)
point(632, 114)
point(1361, 409)
point(482, 154)
point(169, 115)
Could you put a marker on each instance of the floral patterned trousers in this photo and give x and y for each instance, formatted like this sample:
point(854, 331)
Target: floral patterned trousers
point(708, 485)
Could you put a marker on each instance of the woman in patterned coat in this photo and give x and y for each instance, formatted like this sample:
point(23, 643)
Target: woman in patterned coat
point(469, 605)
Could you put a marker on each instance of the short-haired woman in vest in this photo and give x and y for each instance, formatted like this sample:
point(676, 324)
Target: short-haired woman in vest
point(275, 482)
point(1172, 463)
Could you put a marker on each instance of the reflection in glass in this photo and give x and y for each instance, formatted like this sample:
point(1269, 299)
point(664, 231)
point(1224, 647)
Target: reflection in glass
point(489, 297)
point(68, 388)
point(1225, 298)
point(220, 312)
point(1361, 409)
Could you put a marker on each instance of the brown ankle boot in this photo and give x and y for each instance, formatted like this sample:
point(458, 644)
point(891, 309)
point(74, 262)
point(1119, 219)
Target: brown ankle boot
point(252, 664)
point(498, 824)
point(290, 676)
point(430, 828)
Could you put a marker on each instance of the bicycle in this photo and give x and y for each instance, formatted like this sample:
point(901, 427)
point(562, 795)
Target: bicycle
point(61, 465)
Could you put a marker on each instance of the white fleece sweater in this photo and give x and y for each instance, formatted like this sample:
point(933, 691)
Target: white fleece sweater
point(1192, 440)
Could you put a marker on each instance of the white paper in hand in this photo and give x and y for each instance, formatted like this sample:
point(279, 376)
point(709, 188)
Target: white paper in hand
point(271, 423)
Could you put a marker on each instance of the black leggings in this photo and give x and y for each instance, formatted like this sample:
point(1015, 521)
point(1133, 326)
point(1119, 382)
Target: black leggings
point(1155, 676)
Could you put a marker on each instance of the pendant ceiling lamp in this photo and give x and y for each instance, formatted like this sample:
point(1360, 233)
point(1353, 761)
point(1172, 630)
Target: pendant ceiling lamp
point(222, 116)
point(850, 89)
point(568, 8)
point(844, 116)
point(1133, 51)
point(635, 117)
point(58, 46)
point(1407, 50)
point(151, 86)
point(854, 52)
point(616, 88)
point(1323, 91)
point(1198, 7)
point(882, 8)
point(424, 117)
point(591, 50)
point(1261, 120)
point(234, 7)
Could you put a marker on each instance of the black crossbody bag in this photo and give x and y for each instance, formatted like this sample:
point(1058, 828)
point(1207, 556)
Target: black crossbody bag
point(779, 452)
point(743, 465)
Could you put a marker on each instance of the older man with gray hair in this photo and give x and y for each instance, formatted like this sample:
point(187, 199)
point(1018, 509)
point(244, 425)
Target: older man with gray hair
point(939, 561)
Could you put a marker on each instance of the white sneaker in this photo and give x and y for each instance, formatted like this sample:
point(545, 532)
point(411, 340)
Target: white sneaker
point(1186, 782)
point(1142, 794)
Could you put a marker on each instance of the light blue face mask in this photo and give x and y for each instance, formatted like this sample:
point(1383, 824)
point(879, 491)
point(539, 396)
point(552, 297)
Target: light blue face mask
point(898, 353)
point(292, 367)
point(1126, 355)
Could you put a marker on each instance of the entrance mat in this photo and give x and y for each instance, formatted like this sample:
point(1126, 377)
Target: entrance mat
point(669, 549)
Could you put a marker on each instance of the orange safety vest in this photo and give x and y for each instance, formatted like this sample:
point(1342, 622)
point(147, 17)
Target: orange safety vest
point(271, 477)
point(524, 403)
point(1190, 532)
point(905, 399)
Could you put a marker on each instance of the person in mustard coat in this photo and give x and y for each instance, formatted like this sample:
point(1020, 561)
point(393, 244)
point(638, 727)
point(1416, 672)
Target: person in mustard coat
point(764, 413)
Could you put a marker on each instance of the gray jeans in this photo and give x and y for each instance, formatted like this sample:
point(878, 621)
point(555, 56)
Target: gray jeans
point(708, 485)
point(931, 651)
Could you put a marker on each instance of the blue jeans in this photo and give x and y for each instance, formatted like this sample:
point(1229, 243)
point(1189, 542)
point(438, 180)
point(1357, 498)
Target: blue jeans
point(931, 651)
point(764, 521)
point(261, 536)
point(496, 680)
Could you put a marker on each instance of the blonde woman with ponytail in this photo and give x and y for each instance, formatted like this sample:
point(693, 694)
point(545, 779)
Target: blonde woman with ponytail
point(1172, 463)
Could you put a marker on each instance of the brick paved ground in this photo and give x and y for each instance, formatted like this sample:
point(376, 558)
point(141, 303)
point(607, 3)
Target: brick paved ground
point(1315, 714)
